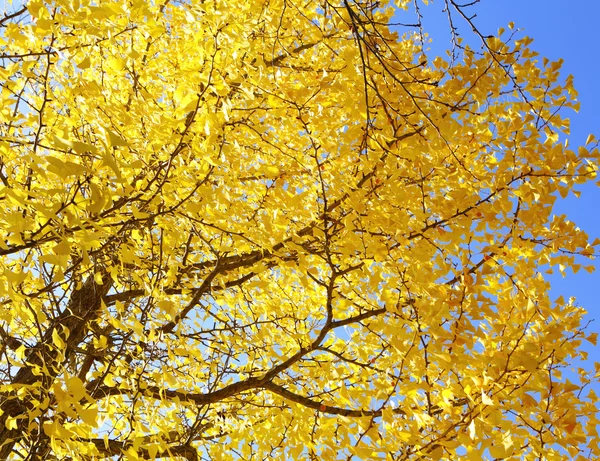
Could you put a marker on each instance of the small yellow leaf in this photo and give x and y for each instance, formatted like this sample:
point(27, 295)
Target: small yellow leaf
point(271, 171)
point(64, 169)
point(529, 362)
point(131, 454)
point(109, 160)
point(57, 340)
point(20, 352)
point(11, 423)
point(447, 394)
point(56, 430)
point(56, 260)
point(97, 200)
point(153, 450)
point(528, 400)
point(77, 146)
point(592, 338)
point(116, 140)
point(85, 63)
point(63, 248)
point(167, 306)
point(551, 137)
point(139, 214)
point(76, 388)
point(472, 432)
point(485, 399)
point(88, 415)
point(136, 235)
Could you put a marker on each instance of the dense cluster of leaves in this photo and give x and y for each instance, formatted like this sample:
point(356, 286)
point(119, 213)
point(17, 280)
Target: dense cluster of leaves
point(280, 230)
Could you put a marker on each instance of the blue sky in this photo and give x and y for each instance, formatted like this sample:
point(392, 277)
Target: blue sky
point(560, 30)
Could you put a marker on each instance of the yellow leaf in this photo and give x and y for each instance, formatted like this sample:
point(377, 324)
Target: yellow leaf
point(271, 171)
point(136, 235)
point(56, 430)
point(168, 307)
point(528, 400)
point(77, 146)
point(131, 454)
point(11, 423)
point(84, 63)
point(64, 169)
point(485, 399)
point(528, 361)
point(551, 137)
point(109, 160)
point(57, 340)
point(88, 415)
point(97, 200)
point(56, 260)
point(21, 352)
point(76, 388)
point(62, 248)
point(447, 394)
point(153, 449)
point(472, 432)
point(116, 140)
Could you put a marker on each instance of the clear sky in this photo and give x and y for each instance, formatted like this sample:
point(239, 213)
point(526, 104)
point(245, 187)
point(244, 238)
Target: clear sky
point(568, 30)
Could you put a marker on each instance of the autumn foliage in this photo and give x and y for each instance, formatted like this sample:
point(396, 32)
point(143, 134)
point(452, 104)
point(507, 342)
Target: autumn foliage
point(247, 230)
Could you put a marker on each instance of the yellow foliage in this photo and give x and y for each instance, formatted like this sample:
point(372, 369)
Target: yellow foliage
point(279, 230)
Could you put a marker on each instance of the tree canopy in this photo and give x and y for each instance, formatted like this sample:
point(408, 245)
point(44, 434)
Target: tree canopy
point(248, 230)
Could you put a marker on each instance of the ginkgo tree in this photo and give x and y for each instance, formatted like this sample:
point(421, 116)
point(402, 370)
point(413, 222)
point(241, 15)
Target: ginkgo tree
point(248, 230)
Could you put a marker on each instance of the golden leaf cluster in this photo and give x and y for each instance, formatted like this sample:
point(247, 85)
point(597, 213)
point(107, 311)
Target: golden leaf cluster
point(283, 230)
